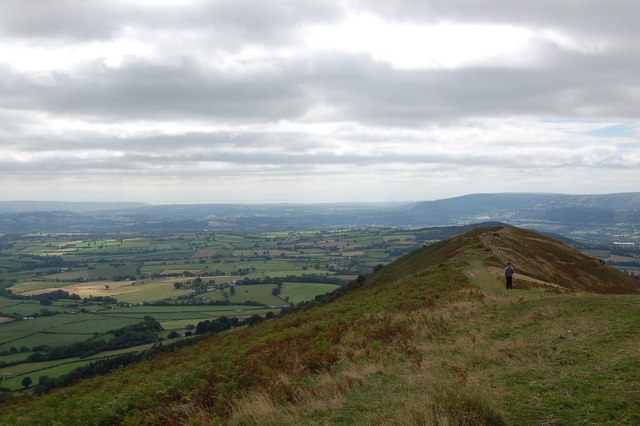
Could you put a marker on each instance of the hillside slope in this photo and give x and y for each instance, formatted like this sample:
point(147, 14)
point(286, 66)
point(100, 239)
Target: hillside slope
point(431, 338)
point(546, 261)
point(540, 261)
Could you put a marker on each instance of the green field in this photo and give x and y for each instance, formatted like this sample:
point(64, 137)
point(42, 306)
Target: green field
point(45, 322)
point(36, 370)
point(7, 302)
point(261, 293)
point(171, 317)
point(57, 330)
point(38, 339)
point(177, 309)
point(20, 356)
point(27, 309)
point(300, 292)
point(97, 324)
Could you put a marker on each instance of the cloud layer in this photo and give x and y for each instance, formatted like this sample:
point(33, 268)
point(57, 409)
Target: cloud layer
point(212, 101)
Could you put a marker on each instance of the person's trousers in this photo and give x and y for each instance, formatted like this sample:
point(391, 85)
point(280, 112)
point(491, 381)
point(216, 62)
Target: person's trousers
point(509, 283)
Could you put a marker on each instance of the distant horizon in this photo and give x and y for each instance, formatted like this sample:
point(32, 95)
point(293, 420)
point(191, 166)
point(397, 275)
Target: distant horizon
point(313, 202)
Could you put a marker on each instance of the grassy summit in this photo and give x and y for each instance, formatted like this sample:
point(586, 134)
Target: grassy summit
point(432, 338)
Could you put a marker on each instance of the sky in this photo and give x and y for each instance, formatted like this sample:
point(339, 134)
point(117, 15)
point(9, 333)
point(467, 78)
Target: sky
point(317, 101)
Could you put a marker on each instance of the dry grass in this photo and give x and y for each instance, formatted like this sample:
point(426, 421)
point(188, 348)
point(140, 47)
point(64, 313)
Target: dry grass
point(430, 402)
point(328, 391)
point(415, 360)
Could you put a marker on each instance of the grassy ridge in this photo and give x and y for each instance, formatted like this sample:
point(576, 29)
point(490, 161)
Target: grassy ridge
point(275, 355)
point(432, 338)
point(548, 260)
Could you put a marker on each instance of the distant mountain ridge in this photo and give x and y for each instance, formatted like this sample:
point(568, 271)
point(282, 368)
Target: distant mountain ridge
point(605, 216)
point(482, 201)
point(525, 205)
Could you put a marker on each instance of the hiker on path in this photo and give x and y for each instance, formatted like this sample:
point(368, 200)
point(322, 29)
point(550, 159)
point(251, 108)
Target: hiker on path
point(508, 274)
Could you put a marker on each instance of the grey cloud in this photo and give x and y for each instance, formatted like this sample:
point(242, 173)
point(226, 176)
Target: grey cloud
point(68, 19)
point(588, 17)
point(141, 159)
point(575, 86)
point(145, 91)
point(260, 22)
point(353, 86)
point(231, 22)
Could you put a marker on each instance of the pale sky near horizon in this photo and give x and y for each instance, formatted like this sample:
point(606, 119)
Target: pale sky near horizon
point(317, 101)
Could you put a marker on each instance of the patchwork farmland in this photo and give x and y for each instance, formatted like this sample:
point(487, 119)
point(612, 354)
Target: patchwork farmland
point(62, 291)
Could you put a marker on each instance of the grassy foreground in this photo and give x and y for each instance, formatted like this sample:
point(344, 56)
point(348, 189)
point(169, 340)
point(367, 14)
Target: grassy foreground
point(430, 339)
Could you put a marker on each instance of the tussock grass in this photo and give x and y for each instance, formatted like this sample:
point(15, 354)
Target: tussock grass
point(462, 406)
point(327, 392)
point(450, 406)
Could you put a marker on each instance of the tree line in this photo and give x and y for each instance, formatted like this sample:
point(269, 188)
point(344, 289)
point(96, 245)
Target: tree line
point(143, 332)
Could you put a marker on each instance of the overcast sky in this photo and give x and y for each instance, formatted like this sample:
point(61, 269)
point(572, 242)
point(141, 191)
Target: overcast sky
point(313, 101)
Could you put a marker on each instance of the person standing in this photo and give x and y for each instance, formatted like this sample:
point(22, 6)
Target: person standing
point(508, 274)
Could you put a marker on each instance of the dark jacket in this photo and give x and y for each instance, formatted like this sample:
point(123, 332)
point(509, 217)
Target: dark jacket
point(508, 271)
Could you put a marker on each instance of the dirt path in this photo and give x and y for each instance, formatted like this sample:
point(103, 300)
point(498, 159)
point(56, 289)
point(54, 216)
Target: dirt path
point(491, 278)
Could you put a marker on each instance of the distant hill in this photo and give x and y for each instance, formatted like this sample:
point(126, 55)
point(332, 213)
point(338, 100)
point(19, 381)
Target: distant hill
point(608, 217)
point(432, 338)
point(539, 261)
point(483, 204)
point(560, 209)
point(475, 203)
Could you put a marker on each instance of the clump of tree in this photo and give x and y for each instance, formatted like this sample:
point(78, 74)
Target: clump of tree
point(216, 325)
point(224, 323)
point(48, 298)
point(51, 296)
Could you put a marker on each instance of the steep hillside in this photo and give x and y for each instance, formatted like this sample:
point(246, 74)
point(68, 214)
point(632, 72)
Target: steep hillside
point(429, 339)
point(541, 259)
